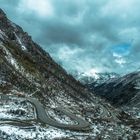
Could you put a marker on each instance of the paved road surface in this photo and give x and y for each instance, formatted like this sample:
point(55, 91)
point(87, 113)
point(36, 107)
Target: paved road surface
point(44, 117)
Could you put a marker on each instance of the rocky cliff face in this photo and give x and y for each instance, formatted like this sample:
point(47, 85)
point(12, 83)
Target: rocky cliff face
point(28, 71)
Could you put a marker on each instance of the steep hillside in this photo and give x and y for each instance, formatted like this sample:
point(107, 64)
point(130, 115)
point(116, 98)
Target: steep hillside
point(123, 92)
point(39, 100)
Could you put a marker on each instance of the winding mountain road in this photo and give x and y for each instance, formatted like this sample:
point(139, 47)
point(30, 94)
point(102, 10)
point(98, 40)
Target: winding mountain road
point(44, 117)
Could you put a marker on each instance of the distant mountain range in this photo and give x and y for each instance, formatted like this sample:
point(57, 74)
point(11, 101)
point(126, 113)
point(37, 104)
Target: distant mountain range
point(121, 91)
point(94, 79)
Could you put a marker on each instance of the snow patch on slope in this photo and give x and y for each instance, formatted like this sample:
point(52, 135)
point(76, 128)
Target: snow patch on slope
point(9, 57)
point(20, 42)
point(2, 35)
point(38, 133)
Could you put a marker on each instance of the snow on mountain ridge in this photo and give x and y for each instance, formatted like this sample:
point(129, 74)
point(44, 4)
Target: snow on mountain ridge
point(95, 77)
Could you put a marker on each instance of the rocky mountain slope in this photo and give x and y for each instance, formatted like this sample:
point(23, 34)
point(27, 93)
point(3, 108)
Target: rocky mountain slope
point(123, 92)
point(35, 89)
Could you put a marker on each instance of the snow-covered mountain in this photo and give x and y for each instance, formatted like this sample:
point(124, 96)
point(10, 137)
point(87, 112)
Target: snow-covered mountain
point(40, 101)
point(121, 91)
point(93, 79)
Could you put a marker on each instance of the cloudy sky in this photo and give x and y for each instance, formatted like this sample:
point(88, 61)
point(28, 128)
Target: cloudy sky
point(83, 35)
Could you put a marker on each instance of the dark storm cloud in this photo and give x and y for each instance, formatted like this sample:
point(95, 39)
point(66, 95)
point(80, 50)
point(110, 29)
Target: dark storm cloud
point(76, 32)
point(57, 31)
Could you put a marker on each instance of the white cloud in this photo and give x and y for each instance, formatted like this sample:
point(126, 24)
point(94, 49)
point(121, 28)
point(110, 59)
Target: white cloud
point(41, 7)
point(66, 53)
point(120, 61)
point(119, 8)
point(116, 55)
point(92, 72)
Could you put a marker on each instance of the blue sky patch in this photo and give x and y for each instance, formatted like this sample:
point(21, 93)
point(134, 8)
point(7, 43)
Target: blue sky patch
point(122, 49)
